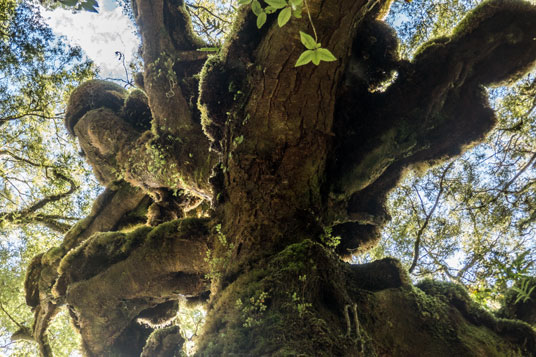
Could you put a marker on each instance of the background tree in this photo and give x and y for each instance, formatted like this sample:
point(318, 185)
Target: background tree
point(296, 161)
point(41, 173)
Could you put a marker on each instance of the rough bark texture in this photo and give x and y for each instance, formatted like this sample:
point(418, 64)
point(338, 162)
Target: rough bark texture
point(273, 157)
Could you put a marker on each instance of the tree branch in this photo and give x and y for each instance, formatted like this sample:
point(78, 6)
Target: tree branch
point(28, 114)
point(20, 158)
point(418, 239)
point(118, 291)
point(11, 318)
point(446, 83)
point(28, 213)
point(108, 209)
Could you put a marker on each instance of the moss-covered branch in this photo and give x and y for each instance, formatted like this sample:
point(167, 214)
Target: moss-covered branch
point(112, 127)
point(109, 212)
point(171, 61)
point(435, 109)
point(111, 278)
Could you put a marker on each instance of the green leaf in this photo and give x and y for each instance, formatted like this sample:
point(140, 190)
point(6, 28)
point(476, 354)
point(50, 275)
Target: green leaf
point(244, 2)
point(256, 8)
point(316, 58)
point(90, 5)
point(261, 19)
point(304, 58)
point(307, 41)
point(284, 16)
point(208, 49)
point(297, 13)
point(295, 3)
point(69, 2)
point(326, 55)
point(278, 4)
point(270, 9)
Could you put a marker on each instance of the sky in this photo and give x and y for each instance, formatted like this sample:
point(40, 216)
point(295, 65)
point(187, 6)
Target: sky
point(99, 34)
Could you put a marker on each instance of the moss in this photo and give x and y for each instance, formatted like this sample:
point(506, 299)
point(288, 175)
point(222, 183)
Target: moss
point(271, 311)
point(215, 99)
point(483, 324)
point(91, 95)
point(394, 144)
point(31, 281)
point(487, 9)
point(223, 83)
point(429, 47)
point(180, 228)
point(430, 325)
point(456, 295)
point(164, 343)
point(306, 291)
point(52, 255)
point(374, 55)
point(99, 252)
point(160, 315)
point(136, 110)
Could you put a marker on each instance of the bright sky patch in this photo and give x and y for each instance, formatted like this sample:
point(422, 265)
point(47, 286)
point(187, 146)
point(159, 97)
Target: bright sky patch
point(100, 35)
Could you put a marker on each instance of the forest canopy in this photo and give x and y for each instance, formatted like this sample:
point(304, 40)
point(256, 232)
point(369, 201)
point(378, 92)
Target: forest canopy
point(469, 219)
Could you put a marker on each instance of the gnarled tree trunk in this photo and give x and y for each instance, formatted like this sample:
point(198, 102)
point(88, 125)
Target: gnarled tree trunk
point(284, 156)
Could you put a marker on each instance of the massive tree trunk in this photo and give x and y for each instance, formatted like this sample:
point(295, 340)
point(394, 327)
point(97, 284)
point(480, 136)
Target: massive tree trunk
point(254, 165)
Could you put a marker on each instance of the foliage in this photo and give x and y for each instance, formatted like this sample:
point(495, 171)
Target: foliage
point(217, 262)
point(524, 291)
point(253, 309)
point(212, 19)
point(299, 299)
point(329, 240)
point(40, 173)
point(76, 5)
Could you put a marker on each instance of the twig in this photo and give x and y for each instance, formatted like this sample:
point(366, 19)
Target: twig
point(416, 249)
point(11, 317)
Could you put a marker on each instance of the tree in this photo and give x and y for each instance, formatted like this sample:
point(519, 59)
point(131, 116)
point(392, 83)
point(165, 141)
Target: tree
point(247, 168)
point(40, 170)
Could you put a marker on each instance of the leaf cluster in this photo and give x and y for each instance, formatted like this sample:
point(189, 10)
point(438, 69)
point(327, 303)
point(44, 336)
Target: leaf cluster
point(75, 5)
point(288, 8)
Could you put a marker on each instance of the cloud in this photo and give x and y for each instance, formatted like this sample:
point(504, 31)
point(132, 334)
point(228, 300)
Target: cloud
point(100, 36)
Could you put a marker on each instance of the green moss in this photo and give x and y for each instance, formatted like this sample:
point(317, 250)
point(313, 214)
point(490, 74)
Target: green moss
point(392, 145)
point(260, 310)
point(100, 251)
point(52, 255)
point(456, 295)
point(485, 10)
point(428, 47)
point(179, 228)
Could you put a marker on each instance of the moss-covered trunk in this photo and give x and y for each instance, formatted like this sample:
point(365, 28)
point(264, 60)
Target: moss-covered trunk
point(255, 167)
point(304, 302)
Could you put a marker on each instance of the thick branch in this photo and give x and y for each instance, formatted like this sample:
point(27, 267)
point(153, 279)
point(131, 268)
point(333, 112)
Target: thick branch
point(107, 212)
point(436, 108)
point(107, 297)
point(166, 31)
